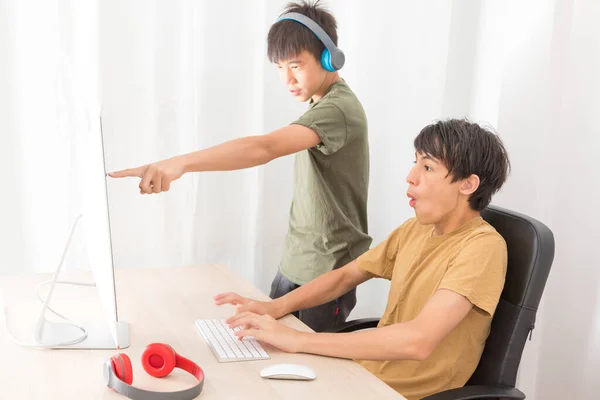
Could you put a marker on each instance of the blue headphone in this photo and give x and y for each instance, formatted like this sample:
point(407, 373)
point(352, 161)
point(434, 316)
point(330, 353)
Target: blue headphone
point(332, 58)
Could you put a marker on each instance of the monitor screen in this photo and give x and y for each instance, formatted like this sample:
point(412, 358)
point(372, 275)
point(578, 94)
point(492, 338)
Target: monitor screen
point(96, 223)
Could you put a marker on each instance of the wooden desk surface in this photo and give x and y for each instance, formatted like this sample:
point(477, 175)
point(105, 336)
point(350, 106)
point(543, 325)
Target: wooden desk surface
point(161, 306)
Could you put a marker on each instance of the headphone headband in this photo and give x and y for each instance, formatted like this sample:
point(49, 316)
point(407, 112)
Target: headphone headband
point(158, 360)
point(134, 393)
point(335, 58)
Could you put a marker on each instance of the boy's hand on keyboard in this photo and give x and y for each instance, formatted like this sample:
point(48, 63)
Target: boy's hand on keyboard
point(244, 304)
point(266, 329)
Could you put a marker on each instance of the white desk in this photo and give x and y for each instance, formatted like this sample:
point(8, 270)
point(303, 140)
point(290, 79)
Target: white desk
point(161, 306)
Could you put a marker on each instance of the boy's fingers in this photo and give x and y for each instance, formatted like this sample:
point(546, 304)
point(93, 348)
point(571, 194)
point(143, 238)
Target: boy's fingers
point(236, 318)
point(131, 172)
point(243, 308)
point(166, 183)
point(245, 317)
point(249, 332)
point(221, 295)
point(232, 320)
point(228, 298)
point(157, 186)
point(240, 308)
point(145, 182)
point(242, 322)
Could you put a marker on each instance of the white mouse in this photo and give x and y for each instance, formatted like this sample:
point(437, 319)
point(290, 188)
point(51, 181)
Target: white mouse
point(288, 371)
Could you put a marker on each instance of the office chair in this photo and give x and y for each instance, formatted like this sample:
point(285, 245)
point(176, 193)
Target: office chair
point(530, 246)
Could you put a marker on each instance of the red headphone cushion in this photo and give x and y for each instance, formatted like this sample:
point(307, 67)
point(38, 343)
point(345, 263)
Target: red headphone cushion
point(159, 359)
point(122, 366)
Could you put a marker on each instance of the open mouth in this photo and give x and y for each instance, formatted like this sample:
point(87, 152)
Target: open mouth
point(412, 200)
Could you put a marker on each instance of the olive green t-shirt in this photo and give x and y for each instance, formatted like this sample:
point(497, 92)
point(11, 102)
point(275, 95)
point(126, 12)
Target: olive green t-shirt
point(470, 261)
point(328, 215)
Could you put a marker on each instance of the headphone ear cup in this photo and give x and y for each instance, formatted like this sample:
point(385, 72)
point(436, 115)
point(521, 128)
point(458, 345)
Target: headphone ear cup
point(326, 60)
point(159, 359)
point(122, 366)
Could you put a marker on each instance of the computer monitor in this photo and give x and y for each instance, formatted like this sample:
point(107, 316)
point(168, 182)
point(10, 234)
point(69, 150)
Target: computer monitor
point(110, 333)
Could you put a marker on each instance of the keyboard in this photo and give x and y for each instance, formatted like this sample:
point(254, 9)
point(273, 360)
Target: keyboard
point(225, 345)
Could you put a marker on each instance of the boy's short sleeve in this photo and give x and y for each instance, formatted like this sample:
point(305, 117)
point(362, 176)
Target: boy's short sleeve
point(329, 122)
point(478, 271)
point(378, 262)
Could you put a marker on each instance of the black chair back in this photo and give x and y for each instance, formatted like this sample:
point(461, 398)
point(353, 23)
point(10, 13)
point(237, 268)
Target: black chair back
point(530, 247)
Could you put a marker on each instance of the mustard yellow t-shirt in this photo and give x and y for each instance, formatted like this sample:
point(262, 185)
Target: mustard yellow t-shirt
point(470, 261)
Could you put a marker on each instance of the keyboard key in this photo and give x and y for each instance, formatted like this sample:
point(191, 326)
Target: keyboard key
point(220, 339)
point(251, 347)
point(210, 339)
point(223, 330)
point(240, 343)
point(225, 346)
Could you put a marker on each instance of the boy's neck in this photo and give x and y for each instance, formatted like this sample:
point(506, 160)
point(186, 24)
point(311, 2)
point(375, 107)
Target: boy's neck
point(329, 80)
point(454, 221)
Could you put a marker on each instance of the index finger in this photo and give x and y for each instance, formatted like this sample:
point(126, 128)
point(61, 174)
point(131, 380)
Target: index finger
point(250, 333)
point(245, 319)
point(240, 317)
point(229, 297)
point(135, 172)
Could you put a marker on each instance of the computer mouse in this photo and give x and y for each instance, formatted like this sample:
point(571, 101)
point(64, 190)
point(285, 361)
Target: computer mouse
point(288, 371)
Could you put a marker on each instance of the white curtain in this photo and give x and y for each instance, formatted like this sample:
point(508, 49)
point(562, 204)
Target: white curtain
point(48, 90)
point(536, 80)
point(173, 77)
point(177, 77)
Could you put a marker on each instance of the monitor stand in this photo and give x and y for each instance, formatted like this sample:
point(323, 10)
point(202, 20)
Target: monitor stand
point(69, 335)
point(65, 335)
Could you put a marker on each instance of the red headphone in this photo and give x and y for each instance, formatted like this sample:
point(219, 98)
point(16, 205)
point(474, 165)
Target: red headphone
point(158, 360)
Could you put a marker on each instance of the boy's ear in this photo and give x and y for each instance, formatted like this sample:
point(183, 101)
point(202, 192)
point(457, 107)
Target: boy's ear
point(470, 185)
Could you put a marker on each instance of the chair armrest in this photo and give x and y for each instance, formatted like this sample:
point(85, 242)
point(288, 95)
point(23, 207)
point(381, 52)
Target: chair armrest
point(478, 392)
point(356, 325)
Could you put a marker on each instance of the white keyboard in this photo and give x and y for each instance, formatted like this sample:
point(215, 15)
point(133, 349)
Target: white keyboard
point(225, 345)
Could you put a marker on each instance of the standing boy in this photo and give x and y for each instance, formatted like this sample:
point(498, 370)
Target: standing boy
point(328, 215)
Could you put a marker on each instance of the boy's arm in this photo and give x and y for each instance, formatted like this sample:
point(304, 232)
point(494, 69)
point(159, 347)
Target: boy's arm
point(324, 288)
point(411, 340)
point(320, 290)
point(252, 151)
point(236, 154)
point(377, 262)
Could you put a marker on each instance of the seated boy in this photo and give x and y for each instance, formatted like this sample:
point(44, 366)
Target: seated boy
point(446, 266)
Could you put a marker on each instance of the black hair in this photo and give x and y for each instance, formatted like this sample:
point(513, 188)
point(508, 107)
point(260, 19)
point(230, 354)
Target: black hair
point(466, 148)
point(287, 38)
